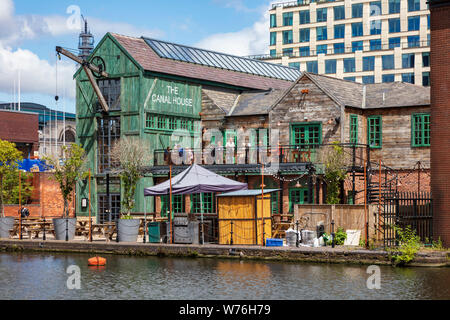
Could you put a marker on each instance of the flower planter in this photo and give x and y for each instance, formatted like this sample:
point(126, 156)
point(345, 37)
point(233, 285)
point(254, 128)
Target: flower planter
point(61, 226)
point(6, 224)
point(128, 230)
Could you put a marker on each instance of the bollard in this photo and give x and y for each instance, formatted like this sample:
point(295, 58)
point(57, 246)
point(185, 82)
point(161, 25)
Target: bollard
point(264, 233)
point(67, 229)
point(231, 240)
point(332, 233)
point(43, 237)
point(298, 240)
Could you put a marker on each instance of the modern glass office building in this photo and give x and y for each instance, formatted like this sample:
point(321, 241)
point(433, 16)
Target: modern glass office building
point(359, 40)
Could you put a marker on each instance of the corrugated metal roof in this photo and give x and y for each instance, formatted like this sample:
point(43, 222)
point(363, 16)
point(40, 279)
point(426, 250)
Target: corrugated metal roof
point(246, 193)
point(221, 60)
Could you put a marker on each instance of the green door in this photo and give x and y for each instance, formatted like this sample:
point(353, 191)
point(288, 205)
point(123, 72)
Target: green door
point(297, 196)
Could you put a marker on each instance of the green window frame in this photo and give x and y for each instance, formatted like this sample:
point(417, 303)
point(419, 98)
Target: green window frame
point(274, 202)
point(420, 125)
point(297, 196)
point(168, 123)
point(306, 135)
point(202, 203)
point(177, 204)
point(354, 128)
point(374, 132)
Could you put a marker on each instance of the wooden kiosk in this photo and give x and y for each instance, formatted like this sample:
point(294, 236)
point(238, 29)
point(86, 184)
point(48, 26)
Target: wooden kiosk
point(245, 217)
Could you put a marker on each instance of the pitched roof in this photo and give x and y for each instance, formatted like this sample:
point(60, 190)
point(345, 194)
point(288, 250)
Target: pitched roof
point(255, 103)
point(377, 95)
point(154, 55)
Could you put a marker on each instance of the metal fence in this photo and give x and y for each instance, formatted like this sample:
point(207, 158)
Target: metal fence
point(401, 209)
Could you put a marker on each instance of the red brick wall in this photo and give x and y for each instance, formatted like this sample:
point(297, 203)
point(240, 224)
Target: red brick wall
point(440, 115)
point(47, 200)
point(20, 127)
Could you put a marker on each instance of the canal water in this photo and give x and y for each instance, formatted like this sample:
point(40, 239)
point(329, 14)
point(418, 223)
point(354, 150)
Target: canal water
point(44, 276)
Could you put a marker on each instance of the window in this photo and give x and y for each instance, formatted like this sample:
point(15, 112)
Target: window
point(368, 63)
point(287, 37)
point(304, 35)
point(108, 135)
point(202, 203)
point(388, 62)
point(304, 52)
point(322, 48)
point(297, 196)
point(394, 6)
point(428, 22)
point(273, 38)
point(177, 204)
point(330, 66)
point(273, 20)
point(357, 29)
point(339, 13)
point(374, 131)
point(394, 25)
point(394, 42)
point(408, 60)
point(368, 79)
point(339, 31)
point(414, 23)
point(357, 10)
point(306, 135)
point(311, 66)
point(321, 14)
point(375, 8)
point(413, 41)
point(113, 203)
point(357, 46)
point(350, 78)
point(375, 27)
point(421, 130)
point(408, 77)
point(304, 17)
point(375, 44)
point(289, 52)
point(110, 89)
point(353, 128)
point(339, 47)
point(295, 65)
point(426, 79)
point(349, 65)
point(273, 53)
point(426, 59)
point(167, 123)
point(413, 5)
point(388, 78)
point(287, 18)
point(274, 202)
point(321, 33)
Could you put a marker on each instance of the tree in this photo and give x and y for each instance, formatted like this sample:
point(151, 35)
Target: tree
point(68, 171)
point(333, 158)
point(9, 158)
point(11, 187)
point(131, 154)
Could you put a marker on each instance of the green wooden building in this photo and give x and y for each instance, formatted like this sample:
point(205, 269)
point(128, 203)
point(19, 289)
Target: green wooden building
point(154, 89)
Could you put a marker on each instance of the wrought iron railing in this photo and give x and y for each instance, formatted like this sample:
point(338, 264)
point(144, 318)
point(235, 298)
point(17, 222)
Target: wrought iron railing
point(308, 153)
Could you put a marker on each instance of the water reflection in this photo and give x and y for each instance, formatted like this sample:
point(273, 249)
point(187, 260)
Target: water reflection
point(43, 276)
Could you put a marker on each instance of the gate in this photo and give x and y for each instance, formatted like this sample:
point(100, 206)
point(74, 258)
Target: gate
point(403, 209)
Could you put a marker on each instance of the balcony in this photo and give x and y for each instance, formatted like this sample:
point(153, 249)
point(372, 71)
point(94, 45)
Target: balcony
point(298, 3)
point(284, 158)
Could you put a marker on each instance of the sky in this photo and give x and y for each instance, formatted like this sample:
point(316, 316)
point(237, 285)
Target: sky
point(30, 30)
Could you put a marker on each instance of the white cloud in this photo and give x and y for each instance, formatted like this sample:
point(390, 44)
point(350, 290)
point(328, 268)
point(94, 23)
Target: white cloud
point(249, 41)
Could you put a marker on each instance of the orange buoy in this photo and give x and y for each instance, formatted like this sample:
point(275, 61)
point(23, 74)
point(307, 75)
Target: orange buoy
point(97, 261)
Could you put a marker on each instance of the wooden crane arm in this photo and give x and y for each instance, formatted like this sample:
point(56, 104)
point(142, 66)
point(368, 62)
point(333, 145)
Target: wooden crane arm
point(88, 68)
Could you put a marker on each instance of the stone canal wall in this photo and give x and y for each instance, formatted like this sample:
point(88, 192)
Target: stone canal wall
point(287, 254)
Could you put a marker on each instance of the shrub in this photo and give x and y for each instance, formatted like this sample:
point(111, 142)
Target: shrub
point(409, 244)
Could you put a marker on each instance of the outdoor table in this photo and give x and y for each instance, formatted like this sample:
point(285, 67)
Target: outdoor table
point(32, 228)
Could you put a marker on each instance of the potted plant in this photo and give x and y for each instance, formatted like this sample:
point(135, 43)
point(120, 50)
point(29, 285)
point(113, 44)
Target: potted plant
point(9, 157)
point(131, 155)
point(67, 172)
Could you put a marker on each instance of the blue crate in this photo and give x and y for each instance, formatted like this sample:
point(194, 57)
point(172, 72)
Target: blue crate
point(274, 242)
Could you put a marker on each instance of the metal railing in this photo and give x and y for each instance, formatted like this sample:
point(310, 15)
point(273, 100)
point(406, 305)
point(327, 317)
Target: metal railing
point(308, 153)
point(298, 3)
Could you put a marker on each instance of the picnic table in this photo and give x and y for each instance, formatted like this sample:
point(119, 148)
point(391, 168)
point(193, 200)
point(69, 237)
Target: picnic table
point(32, 227)
point(107, 229)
